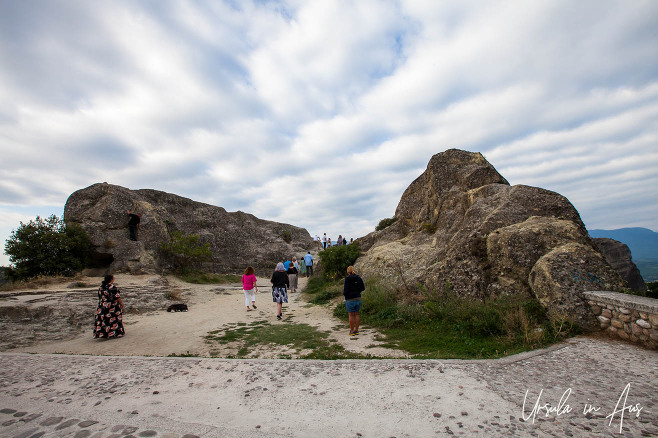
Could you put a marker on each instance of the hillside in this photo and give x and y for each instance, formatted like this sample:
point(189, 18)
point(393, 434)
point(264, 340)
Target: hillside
point(643, 243)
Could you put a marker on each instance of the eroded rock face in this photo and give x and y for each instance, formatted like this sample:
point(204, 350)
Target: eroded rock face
point(236, 239)
point(461, 225)
point(559, 277)
point(618, 255)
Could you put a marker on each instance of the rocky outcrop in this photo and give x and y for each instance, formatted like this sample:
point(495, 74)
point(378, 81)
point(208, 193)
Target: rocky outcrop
point(236, 239)
point(462, 227)
point(618, 256)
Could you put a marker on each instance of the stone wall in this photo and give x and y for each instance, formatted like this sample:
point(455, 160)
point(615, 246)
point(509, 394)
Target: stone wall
point(629, 317)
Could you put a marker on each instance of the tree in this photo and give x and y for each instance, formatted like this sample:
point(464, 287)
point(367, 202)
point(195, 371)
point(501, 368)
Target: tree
point(186, 251)
point(47, 247)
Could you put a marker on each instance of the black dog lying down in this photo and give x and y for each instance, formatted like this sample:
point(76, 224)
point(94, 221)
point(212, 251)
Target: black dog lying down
point(179, 307)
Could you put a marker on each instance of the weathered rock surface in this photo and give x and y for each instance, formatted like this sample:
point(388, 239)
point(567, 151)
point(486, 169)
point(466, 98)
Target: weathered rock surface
point(462, 227)
point(560, 276)
point(41, 315)
point(618, 255)
point(236, 239)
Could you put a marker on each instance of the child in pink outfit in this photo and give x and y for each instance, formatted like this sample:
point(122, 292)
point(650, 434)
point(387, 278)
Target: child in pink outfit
point(249, 286)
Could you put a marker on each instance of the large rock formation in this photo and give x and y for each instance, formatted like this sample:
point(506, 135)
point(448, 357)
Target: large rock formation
point(462, 226)
point(618, 256)
point(236, 239)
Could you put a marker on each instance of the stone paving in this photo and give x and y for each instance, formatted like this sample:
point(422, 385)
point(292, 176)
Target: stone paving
point(608, 388)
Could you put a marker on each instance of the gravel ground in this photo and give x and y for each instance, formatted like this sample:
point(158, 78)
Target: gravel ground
point(44, 395)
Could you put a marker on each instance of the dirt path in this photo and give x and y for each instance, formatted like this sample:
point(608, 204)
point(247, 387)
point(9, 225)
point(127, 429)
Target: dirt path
point(212, 308)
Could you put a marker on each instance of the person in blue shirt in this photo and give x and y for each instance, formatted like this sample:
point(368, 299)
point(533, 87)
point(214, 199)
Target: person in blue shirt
point(308, 260)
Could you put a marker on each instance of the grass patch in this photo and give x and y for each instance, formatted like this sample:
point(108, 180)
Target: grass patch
point(444, 326)
point(320, 290)
point(298, 337)
point(206, 278)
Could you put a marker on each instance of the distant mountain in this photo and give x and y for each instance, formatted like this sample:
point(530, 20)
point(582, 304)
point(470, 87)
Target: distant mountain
point(643, 244)
point(642, 241)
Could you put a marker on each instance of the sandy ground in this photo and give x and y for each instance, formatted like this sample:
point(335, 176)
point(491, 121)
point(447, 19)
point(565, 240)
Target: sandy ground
point(211, 308)
point(126, 388)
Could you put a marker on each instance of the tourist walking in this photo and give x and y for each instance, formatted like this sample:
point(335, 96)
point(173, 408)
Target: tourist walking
point(292, 277)
point(249, 287)
point(302, 267)
point(109, 314)
point(133, 224)
point(308, 260)
point(352, 292)
point(324, 241)
point(279, 282)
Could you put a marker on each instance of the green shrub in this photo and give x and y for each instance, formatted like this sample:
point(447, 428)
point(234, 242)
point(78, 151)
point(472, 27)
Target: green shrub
point(384, 223)
point(336, 259)
point(287, 236)
point(47, 247)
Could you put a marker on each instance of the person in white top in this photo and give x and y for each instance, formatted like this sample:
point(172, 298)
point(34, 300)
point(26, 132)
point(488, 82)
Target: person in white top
point(324, 241)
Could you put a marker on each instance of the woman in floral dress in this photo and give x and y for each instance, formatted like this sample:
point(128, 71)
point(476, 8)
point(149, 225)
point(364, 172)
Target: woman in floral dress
point(109, 314)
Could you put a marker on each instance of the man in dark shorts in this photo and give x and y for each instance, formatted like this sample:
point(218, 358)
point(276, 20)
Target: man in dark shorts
point(133, 224)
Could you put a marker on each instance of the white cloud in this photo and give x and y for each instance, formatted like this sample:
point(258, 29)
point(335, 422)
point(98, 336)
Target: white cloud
point(320, 114)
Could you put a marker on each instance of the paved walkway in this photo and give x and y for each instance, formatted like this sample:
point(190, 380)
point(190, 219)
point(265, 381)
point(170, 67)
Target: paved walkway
point(91, 396)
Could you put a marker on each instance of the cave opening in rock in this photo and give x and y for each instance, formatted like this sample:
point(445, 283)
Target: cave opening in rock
point(100, 260)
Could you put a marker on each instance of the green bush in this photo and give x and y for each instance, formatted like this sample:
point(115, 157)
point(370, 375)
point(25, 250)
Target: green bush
point(47, 247)
point(186, 252)
point(287, 236)
point(336, 259)
point(384, 223)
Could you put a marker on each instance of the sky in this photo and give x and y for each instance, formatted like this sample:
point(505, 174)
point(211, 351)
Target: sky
point(321, 113)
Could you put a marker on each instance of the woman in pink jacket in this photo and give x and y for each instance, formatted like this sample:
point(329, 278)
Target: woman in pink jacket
point(249, 286)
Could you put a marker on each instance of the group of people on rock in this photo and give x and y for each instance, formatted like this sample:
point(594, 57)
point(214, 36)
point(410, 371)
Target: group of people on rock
point(325, 242)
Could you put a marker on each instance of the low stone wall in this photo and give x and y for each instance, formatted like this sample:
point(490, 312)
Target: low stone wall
point(629, 317)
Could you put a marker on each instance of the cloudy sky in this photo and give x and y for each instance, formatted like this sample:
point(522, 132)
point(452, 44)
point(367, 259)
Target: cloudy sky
point(320, 113)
